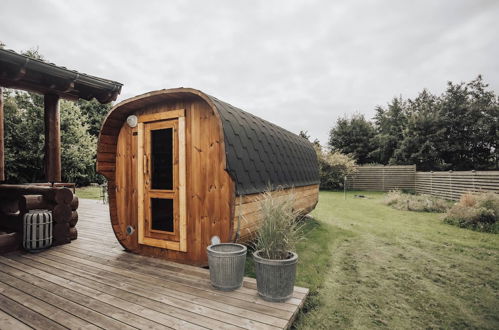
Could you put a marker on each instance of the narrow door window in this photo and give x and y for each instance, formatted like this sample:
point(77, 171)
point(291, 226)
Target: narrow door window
point(162, 159)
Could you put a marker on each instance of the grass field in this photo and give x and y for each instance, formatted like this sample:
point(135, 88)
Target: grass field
point(89, 192)
point(369, 265)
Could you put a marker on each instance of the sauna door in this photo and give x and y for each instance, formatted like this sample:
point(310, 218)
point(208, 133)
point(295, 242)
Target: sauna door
point(159, 147)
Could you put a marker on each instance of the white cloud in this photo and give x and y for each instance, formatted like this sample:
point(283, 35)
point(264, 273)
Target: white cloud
point(300, 64)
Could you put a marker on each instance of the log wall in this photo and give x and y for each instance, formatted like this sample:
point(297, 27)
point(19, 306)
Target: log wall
point(17, 200)
point(248, 216)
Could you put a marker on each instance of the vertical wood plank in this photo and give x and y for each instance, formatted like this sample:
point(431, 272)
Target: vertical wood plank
point(140, 182)
point(182, 184)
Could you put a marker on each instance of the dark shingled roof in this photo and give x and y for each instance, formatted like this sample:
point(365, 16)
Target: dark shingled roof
point(260, 153)
point(22, 72)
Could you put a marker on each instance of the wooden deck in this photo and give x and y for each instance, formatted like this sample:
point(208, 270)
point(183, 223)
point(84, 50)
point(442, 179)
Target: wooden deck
point(92, 283)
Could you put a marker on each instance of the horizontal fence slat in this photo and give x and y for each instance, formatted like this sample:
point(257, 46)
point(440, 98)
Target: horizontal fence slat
point(449, 185)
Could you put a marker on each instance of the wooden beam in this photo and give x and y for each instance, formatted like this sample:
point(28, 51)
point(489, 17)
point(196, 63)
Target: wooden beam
point(52, 118)
point(2, 150)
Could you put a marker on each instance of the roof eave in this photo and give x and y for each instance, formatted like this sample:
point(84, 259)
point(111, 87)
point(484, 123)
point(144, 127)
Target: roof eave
point(38, 76)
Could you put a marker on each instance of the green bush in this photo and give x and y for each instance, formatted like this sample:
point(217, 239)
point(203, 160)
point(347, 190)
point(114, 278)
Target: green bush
point(419, 203)
point(477, 212)
point(333, 168)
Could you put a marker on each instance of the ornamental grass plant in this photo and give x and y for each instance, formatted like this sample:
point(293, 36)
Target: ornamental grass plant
point(279, 231)
point(419, 203)
point(478, 212)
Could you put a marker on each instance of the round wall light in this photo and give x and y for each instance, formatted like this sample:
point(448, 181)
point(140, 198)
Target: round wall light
point(132, 121)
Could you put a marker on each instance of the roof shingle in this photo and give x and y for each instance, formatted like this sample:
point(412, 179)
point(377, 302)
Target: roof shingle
point(260, 153)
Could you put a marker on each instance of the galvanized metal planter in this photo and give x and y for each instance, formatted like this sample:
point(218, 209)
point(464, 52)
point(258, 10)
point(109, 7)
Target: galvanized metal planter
point(275, 279)
point(37, 230)
point(226, 262)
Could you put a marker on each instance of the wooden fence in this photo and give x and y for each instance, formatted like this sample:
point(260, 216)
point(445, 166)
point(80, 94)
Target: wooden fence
point(449, 185)
point(382, 178)
point(452, 185)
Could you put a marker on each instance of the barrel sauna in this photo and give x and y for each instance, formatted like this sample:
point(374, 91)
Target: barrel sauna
point(183, 166)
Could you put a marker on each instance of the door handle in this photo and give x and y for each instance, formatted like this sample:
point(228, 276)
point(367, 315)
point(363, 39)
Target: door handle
point(146, 164)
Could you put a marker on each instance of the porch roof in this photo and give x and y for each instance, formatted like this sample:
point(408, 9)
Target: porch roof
point(23, 72)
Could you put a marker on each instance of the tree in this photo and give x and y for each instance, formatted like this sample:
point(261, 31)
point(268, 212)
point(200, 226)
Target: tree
point(305, 135)
point(95, 113)
point(78, 145)
point(470, 135)
point(422, 134)
point(389, 124)
point(353, 136)
point(24, 141)
point(333, 168)
point(24, 137)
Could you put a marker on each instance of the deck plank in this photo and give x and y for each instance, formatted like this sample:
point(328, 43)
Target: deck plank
point(93, 282)
point(28, 316)
point(161, 293)
point(8, 322)
point(42, 307)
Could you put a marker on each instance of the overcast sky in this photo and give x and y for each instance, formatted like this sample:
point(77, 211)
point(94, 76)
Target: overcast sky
point(299, 64)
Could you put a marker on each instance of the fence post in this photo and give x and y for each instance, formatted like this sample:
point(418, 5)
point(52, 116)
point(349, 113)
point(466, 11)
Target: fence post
point(450, 180)
point(473, 172)
point(431, 182)
point(345, 187)
point(415, 177)
point(383, 178)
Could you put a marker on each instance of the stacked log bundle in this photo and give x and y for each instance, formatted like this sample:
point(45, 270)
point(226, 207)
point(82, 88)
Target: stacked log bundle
point(73, 220)
point(17, 200)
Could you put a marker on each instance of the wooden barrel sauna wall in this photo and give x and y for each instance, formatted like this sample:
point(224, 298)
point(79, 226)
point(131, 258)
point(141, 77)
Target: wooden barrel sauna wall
point(183, 166)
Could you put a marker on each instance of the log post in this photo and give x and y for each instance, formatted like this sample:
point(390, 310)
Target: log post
point(2, 150)
point(52, 119)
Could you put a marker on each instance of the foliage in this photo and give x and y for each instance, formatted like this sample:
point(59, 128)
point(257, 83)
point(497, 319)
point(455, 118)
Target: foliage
point(24, 141)
point(279, 232)
point(95, 114)
point(24, 136)
point(412, 202)
point(333, 168)
point(353, 136)
point(389, 125)
point(477, 212)
point(457, 130)
point(78, 146)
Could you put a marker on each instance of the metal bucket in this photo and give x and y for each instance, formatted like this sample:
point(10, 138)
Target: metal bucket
point(226, 262)
point(275, 279)
point(37, 230)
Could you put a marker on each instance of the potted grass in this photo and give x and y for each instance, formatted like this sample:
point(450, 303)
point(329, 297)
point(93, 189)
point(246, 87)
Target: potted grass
point(275, 257)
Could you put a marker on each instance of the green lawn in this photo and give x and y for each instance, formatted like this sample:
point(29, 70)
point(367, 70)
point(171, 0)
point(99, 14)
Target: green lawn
point(89, 192)
point(369, 265)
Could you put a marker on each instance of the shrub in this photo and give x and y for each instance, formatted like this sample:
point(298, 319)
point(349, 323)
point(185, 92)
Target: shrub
point(279, 231)
point(475, 211)
point(412, 202)
point(333, 168)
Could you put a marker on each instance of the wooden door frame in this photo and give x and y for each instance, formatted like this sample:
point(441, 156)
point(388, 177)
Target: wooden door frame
point(180, 245)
